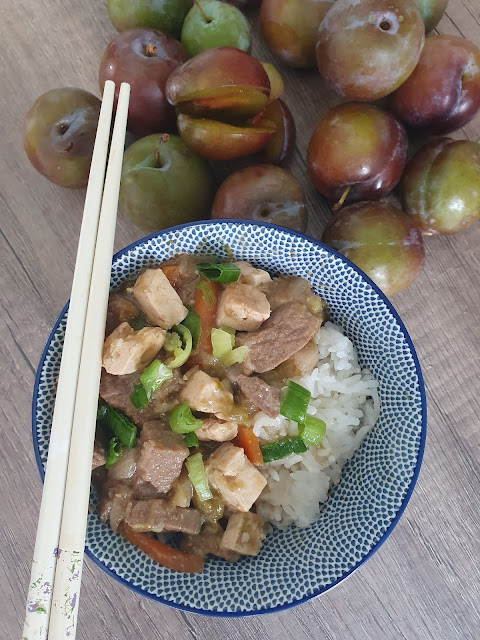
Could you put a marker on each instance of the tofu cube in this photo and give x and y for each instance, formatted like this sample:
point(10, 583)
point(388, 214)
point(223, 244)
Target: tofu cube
point(242, 307)
point(206, 394)
point(126, 351)
point(250, 275)
point(159, 300)
point(231, 474)
point(217, 430)
point(244, 534)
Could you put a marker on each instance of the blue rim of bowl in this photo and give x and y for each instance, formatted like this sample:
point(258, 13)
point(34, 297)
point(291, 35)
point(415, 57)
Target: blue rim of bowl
point(408, 495)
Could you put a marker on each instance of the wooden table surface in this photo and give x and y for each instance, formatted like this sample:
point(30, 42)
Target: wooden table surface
point(424, 581)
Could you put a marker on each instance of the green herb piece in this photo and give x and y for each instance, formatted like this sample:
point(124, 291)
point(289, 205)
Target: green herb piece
point(198, 477)
point(295, 402)
point(219, 272)
point(154, 375)
point(282, 448)
point(113, 452)
point(182, 420)
point(192, 322)
point(118, 424)
point(191, 440)
point(312, 431)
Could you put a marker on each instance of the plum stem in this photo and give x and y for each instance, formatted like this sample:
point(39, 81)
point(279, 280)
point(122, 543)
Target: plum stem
point(202, 12)
point(338, 205)
point(150, 50)
point(163, 138)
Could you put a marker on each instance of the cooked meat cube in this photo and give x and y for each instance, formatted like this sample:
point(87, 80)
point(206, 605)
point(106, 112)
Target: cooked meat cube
point(209, 541)
point(288, 330)
point(161, 457)
point(120, 309)
point(244, 534)
point(231, 473)
point(182, 491)
point(114, 501)
point(157, 515)
point(98, 459)
point(250, 275)
point(301, 363)
point(206, 394)
point(116, 391)
point(185, 276)
point(161, 303)
point(242, 307)
point(261, 394)
point(287, 289)
point(126, 351)
point(217, 430)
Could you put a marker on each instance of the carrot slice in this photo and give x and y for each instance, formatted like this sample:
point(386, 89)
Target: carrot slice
point(249, 443)
point(206, 307)
point(162, 553)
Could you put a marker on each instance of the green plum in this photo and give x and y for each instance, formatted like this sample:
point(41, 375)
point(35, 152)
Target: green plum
point(211, 23)
point(381, 240)
point(164, 183)
point(441, 186)
point(165, 15)
point(431, 12)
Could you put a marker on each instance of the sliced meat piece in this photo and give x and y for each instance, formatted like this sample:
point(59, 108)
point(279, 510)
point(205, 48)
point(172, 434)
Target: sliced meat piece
point(181, 492)
point(209, 541)
point(217, 430)
point(287, 289)
point(126, 351)
point(159, 300)
point(242, 307)
point(288, 330)
point(116, 390)
point(236, 479)
point(161, 457)
point(260, 394)
point(244, 534)
point(206, 394)
point(185, 276)
point(250, 275)
point(120, 309)
point(157, 515)
point(301, 363)
point(98, 459)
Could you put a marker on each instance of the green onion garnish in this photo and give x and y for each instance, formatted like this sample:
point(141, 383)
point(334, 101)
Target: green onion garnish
point(207, 294)
point(312, 431)
point(198, 477)
point(222, 347)
point(221, 272)
point(282, 448)
point(154, 375)
point(138, 323)
point(190, 440)
point(113, 452)
point(181, 352)
point(295, 402)
point(182, 420)
point(118, 424)
point(192, 322)
point(139, 396)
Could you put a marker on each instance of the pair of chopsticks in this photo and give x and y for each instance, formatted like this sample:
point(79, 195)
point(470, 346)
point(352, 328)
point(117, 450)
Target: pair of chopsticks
point(53, 594)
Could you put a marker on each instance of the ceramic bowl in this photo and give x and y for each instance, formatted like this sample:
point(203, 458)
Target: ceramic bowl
point(362, 510)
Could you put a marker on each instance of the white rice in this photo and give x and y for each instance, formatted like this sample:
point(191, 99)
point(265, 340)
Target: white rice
point(346, 398)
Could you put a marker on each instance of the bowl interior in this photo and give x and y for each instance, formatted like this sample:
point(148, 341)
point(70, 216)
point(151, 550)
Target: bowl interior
point(295, 564)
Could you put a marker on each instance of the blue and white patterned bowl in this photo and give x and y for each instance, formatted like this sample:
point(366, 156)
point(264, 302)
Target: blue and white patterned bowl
point(296, 564)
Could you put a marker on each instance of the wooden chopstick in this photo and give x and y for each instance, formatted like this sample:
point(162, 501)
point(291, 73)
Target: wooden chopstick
point(48, 530)
point(69, 500)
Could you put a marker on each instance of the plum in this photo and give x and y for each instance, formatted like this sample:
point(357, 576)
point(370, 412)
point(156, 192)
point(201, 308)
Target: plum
point(164, 183)
point(368, 48)
point(265, 193)
point(144, 58)
point(443, 93)
point(441, 186)
point(59, 134)
point(165, 15)
point(357, 149)
point(280, 145)
point(289, 28)
point(277, 86)
point(380, 239)
point(431, 12)
point(211, 23)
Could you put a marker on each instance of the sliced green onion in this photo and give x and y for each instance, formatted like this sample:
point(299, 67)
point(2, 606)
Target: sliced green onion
point(118, 424)
point(236, 355)
point(172, 341)
point(198, 477)
point(282, 448)
point(191, 440)
point(182, 420)
point(153, 376)
point(113, 452)
point(138, 323)
point(207, 294)
point(192, 322)
point(229, 330)
point(139, 396)
point(295, 402)
point(312, 431)
point(182, 352)
point(222, 347)
point(219, 272)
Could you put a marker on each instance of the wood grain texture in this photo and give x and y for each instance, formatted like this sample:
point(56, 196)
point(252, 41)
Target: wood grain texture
point(423, 584)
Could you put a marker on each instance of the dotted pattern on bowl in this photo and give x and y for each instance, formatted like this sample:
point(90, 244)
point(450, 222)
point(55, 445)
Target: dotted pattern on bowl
point(295, 564)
